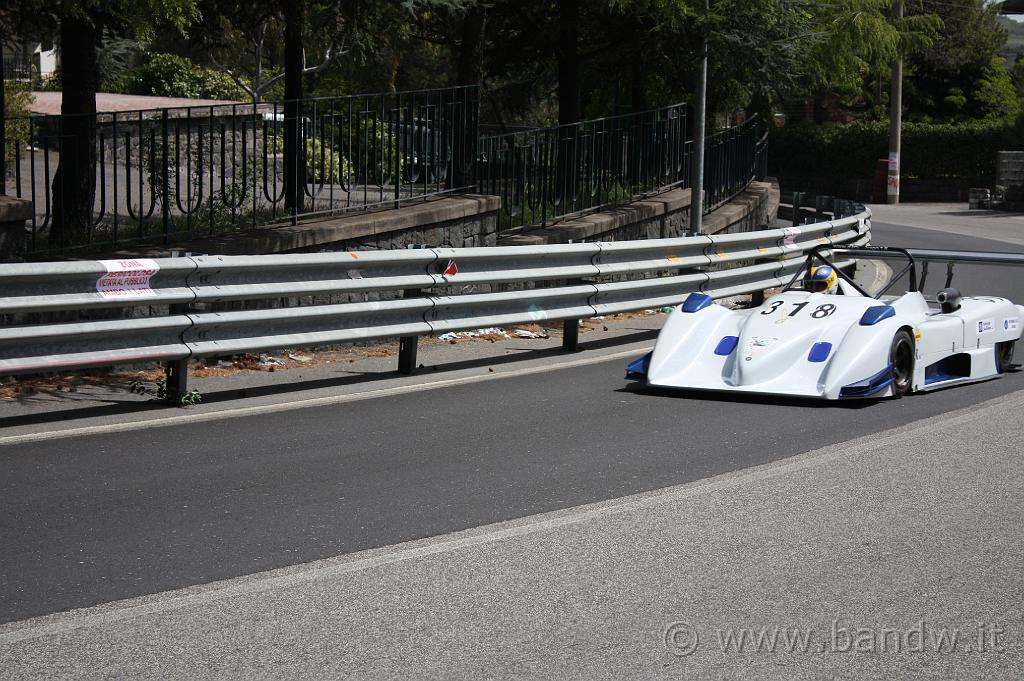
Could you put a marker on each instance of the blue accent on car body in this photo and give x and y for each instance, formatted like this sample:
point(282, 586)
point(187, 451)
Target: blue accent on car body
point(637, 369)
point(695, 302)
point(875, 314)
point(938, 377)
point(869, 386)
point(727, 345)
point(819, 352)
point(951, 368)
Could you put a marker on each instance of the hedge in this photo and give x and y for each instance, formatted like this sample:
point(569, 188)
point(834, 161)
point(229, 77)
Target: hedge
point(929, 150)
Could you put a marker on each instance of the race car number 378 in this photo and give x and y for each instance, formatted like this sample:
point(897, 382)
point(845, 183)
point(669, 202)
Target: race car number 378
point(819, 312)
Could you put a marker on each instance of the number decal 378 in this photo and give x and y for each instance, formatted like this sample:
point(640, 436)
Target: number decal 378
point(819, 312)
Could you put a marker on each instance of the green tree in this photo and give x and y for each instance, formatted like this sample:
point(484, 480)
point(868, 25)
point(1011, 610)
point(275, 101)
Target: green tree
point(1017, 76)
point(83, 27)
point(961, 75)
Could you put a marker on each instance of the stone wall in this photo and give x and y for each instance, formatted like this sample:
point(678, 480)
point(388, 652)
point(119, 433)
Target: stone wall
point(457, 221)
point(664, 216)
point(14, 213)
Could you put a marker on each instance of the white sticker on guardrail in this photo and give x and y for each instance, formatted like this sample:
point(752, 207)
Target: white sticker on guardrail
point(127, 278)
point(789, 241)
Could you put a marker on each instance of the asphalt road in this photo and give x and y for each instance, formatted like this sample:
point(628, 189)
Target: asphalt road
point(94, 519)
point(897, 555)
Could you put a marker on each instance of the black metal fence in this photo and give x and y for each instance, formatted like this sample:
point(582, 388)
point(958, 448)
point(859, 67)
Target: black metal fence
point(17, 67)
point(167, 174)
point(546, 174)
point(732, 158)
point(157, 175)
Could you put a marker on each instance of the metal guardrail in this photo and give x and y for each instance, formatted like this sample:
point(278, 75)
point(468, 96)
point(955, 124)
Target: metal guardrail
point(586, 280)
point(803, 208)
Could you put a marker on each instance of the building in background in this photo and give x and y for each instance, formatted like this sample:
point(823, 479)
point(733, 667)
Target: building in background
point(25, 59)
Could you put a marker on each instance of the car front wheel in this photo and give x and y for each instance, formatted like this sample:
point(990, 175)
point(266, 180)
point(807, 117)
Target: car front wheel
point(901, 357)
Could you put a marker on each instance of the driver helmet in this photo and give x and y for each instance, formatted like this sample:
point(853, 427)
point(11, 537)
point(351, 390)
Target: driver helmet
point(823, 279)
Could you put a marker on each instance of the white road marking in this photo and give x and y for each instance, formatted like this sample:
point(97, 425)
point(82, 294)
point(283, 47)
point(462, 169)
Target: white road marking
point(241, 412)
point(883, 273)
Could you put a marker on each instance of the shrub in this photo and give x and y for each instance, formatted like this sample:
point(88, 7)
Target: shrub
point(168, 75)
point(323, 164)
point(17, 103)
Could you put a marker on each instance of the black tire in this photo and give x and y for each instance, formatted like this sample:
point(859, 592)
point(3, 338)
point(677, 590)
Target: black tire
point(901, 356)
point(1004, 356)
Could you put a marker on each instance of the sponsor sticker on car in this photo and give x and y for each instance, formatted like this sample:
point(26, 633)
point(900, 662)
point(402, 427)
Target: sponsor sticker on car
point(985, 325)
point(1011, 324)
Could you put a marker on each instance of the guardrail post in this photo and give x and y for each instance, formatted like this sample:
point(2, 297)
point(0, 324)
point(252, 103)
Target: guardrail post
point(571, 335)
point(822, 205)
point(757, 297)
point(408, 345)
point(571, 327)
point(798, 198)
point(176, 371)
point(175, 381)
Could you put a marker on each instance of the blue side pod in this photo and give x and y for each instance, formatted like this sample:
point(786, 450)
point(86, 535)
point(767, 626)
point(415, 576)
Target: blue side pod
point(876, 313)
point(696, 302)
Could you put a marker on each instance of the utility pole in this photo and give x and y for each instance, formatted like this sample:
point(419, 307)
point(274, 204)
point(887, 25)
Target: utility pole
point(892, 191)
point(697, 160)
point(3, 125)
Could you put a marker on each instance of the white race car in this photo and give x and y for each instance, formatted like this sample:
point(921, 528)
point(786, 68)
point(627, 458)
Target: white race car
point(824, 337)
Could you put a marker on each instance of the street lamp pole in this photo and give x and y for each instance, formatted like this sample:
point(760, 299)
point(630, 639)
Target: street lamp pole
point(697, 160)
point(892, 191)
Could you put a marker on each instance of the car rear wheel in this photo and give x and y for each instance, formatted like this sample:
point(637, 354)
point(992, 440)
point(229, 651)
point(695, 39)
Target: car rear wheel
point(901, 357)
point(1004, 355)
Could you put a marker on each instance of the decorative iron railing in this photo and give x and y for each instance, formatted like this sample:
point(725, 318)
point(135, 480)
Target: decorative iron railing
point(157, 175)
point(17, 67)
point(166, 175)
point(545, 175)
point(732, 158)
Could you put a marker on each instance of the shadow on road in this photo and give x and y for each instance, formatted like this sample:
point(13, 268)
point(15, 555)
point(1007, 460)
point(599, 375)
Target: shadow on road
point(746, 398)
point(343, 377)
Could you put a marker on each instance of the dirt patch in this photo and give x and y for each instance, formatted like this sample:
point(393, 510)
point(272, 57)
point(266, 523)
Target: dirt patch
point(18, 388)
